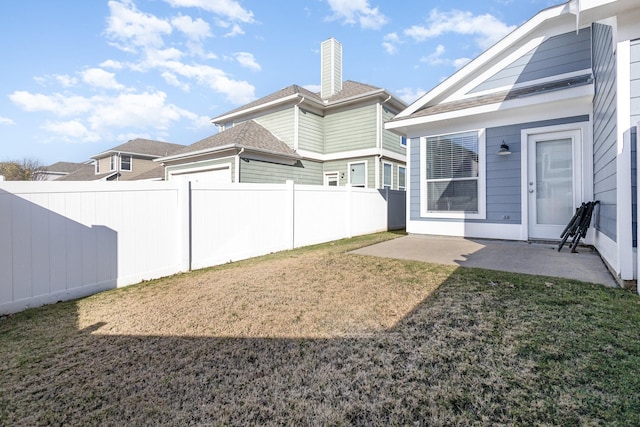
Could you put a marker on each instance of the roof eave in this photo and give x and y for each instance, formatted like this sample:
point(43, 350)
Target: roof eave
point(227, 117)
point(485, 57)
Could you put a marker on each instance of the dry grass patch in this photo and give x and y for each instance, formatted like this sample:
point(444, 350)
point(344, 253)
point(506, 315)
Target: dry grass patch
point(322, 337)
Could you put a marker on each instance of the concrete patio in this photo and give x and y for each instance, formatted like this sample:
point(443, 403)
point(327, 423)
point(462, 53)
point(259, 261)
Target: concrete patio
point(516, 257)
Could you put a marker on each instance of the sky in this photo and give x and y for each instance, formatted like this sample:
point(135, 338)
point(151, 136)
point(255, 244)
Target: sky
point(79, 77)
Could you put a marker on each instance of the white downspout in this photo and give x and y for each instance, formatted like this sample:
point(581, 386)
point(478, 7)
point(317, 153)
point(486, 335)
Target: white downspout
point(237, 172)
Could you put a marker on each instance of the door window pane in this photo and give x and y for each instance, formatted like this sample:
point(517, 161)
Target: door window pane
point(554, 181)
point(357, 174)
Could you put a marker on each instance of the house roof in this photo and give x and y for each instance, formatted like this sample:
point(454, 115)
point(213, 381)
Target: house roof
point(248, 135)
point(501, 96)
point(152, 174)
point(63, 167)
point(143, 147)
point(350, 91)
point(579, 14)
point(85, 173)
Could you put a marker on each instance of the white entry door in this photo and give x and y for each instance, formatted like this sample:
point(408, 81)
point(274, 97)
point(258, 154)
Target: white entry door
point(554, 182)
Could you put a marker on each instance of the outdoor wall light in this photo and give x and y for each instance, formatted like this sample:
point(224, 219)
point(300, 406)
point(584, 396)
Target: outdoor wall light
point(504, 149)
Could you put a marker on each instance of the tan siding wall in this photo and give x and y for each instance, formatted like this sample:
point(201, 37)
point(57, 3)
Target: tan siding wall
point(350, 130)
point(311, 132)
point(280, 123)
point(304, 172)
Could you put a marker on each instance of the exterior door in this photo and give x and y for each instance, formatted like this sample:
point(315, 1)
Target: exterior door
point(554, 183)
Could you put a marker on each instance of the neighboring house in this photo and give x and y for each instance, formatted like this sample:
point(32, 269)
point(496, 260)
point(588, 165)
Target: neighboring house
point(58, 170)
point(335, 137)
point(130, 161)
point(511, 144)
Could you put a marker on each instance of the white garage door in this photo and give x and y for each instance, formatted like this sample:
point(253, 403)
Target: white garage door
point(215, 176)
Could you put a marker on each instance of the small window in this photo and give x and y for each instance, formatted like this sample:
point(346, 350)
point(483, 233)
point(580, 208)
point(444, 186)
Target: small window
point(404, 141)
point(358, 174)
point(125, 162)
point(402, 180)
point(112, 163)
point(331, 179)
point(97, 167)
point(387, 178)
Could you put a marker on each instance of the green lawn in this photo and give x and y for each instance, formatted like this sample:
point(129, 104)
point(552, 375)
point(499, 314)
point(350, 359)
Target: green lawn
point(319, 336)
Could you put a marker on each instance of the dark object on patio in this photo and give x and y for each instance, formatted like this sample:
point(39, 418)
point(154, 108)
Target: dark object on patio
point(578, 226)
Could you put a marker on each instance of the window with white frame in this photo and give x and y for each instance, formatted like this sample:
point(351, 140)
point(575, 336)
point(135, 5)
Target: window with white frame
point(402, 178)
point(112, 163)
point(125, 162)
point(358, 174)
point(331, 179)
point(387, 176)
point(97, 167)
point(453, 172)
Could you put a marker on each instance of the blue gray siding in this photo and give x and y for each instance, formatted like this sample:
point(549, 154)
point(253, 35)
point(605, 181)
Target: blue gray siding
point(557, 55)
point(503, 173)
point(604, 130)
point(635, 118)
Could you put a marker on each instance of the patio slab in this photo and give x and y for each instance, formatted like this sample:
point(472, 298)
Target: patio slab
point(515, 257)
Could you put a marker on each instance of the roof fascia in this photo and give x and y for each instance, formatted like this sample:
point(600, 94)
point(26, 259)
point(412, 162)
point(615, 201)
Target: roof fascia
point(480, 62)
point(196, 153)
point(226, 117)
point(584, 92)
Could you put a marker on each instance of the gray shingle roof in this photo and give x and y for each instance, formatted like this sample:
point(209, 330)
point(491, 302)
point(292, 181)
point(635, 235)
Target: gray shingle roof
point(63, 167)
point(247, 134)
point(282, 93)
point(349, 89)
point(85, 173)
point(146, 147)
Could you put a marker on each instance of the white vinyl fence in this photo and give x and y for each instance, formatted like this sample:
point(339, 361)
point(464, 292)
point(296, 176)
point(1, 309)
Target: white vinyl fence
point(64, 240)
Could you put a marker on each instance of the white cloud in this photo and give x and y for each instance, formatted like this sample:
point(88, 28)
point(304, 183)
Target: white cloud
point(247, 60)
point(173, 80)
point(487, 28)
point(410, 95)
point(58, 104)
point(357, 11)
point(97, 77)
point(236, 30)
point(193, 29)
point(62, 79)
point(132, 29)
point(436, 57)
point(460, 62)
point(6, 121)
point(237, 92)
point(230, 9)
point(390, 43)
point(114, 65)
point(71, 131)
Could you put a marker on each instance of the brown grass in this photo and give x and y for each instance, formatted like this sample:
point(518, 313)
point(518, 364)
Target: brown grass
point(309, 337)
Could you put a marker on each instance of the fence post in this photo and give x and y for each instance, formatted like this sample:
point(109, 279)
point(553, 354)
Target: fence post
point(290, 208)
point(184, 225)
point(349, 226)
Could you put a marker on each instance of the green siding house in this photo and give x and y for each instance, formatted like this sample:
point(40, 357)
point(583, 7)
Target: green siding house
point(335, 137)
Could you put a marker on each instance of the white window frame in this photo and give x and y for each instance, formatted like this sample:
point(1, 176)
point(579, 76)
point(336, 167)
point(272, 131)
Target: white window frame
point(384, 186)
point(112, 163)
point(98, 167)
point(366, 172)
point(482, 160)
point(404, 187)
point(130, 162)
point(328, 178)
